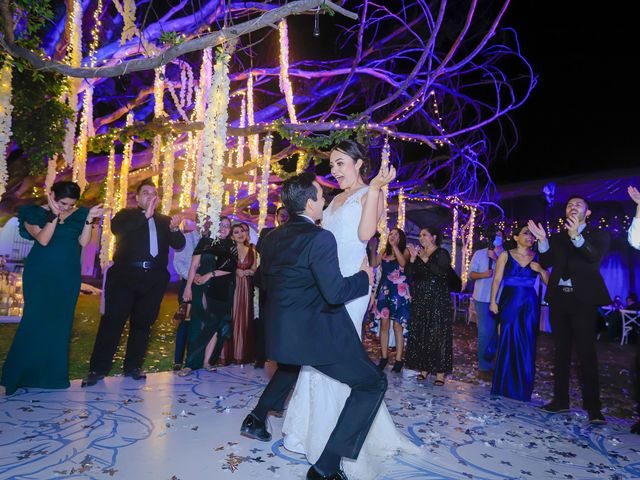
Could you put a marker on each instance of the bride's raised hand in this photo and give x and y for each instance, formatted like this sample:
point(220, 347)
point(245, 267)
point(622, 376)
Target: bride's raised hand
point(385, 176)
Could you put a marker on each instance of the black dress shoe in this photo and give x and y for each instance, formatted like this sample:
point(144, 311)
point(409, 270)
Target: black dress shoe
point(313, 474)
point(258, 364)
point(635, 428)
point(555, 407)
point(91, 379)
point(596, 418)
point(397, 367)
point(136, 374)
point(254, 428)
point(383, 363)
point(177, 367)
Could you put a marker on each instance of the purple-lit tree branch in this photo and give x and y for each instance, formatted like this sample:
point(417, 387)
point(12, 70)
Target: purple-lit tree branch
point(407, 69)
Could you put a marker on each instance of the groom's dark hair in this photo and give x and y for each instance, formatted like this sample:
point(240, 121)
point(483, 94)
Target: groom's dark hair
point(297, 190)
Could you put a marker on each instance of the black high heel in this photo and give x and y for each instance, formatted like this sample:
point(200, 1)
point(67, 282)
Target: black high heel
point(383, 363)
point(397, 367)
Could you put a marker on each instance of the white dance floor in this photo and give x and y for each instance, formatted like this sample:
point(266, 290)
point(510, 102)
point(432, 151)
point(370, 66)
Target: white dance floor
point(174, 428)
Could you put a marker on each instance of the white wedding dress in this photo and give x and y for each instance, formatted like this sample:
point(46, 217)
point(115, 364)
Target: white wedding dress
point(317, 400)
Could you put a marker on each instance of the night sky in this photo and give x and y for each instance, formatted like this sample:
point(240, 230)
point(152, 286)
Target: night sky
point(582, 115)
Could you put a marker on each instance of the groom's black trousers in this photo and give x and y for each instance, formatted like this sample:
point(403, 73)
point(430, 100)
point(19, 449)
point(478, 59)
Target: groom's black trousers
point(367, 383)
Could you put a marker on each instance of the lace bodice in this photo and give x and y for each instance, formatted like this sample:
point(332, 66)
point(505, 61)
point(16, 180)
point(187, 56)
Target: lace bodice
point(343, 222)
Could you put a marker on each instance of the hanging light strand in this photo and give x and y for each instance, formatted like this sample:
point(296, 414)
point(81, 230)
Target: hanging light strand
point(285, 81)
point(263, 195)
point(454, 237)
point(125, 167)
point(401, 209)
point(6, 108)
point(107, 240)
point(210, 190)
point(383, 226)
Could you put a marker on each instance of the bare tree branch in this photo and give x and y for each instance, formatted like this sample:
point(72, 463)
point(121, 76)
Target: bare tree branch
point(196, 44)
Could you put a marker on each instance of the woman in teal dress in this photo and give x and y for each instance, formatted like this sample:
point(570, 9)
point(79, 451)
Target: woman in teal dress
point(39, 354)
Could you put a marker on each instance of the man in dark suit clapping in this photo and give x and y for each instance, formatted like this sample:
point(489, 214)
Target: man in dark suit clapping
point(308, 324)
point(135, 283)
point(575, 291)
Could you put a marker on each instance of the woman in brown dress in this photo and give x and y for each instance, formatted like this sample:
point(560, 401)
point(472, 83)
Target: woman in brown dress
point(240, 347)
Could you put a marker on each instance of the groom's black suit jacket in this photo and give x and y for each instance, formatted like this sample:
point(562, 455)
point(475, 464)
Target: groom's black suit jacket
point(306, 320)
point(581, 264)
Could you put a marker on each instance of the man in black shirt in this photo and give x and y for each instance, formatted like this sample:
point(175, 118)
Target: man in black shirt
point(135, 283)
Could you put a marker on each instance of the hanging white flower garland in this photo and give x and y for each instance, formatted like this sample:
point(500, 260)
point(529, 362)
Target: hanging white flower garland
point(50, 179)
point(383, 227)
point(73, 58)
point(210, 190)
point(5, 122)
point(263, 195)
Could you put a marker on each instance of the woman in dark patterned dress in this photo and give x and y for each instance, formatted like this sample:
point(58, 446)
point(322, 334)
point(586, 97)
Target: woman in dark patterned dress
point(430, 344)
point(393, 302)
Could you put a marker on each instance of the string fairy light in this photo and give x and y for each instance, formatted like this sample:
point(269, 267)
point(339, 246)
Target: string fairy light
point(468, 251)
point(401, 209)
point(383, 226)
point(301, 164)
point(240, 150)
point(168, 160)
point(107, 239)
point(73, 58)
point(188, 172)
point(79, 174)
point(158, 112)
point(285, 81)
point(454, 237)
point(263, 195)
point(6, 108)
point(125, 166)
point(253, 140)
point(50, 178)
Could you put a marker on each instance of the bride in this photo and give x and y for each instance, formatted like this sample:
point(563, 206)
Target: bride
point(316, 403)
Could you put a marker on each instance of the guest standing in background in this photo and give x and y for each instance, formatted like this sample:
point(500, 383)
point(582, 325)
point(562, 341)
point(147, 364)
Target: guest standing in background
point(634, 241)
point(242, 338)
point(393, 302)
point(39, 353)
point(181, 264)
point(634, 230)
point(210, 310)
point(575, 291)
point(518, 313)
point(430, 344)
point(481, 272)
point(282, 217)
point(135, 283)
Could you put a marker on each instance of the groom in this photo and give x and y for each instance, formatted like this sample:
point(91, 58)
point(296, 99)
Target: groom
point(308, 324)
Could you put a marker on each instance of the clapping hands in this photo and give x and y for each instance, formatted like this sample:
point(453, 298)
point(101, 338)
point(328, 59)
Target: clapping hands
point(537, 230)
point(634, 194)
point(414, 250)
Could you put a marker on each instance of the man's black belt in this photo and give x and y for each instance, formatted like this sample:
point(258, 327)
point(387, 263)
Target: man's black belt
point(147, 265)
